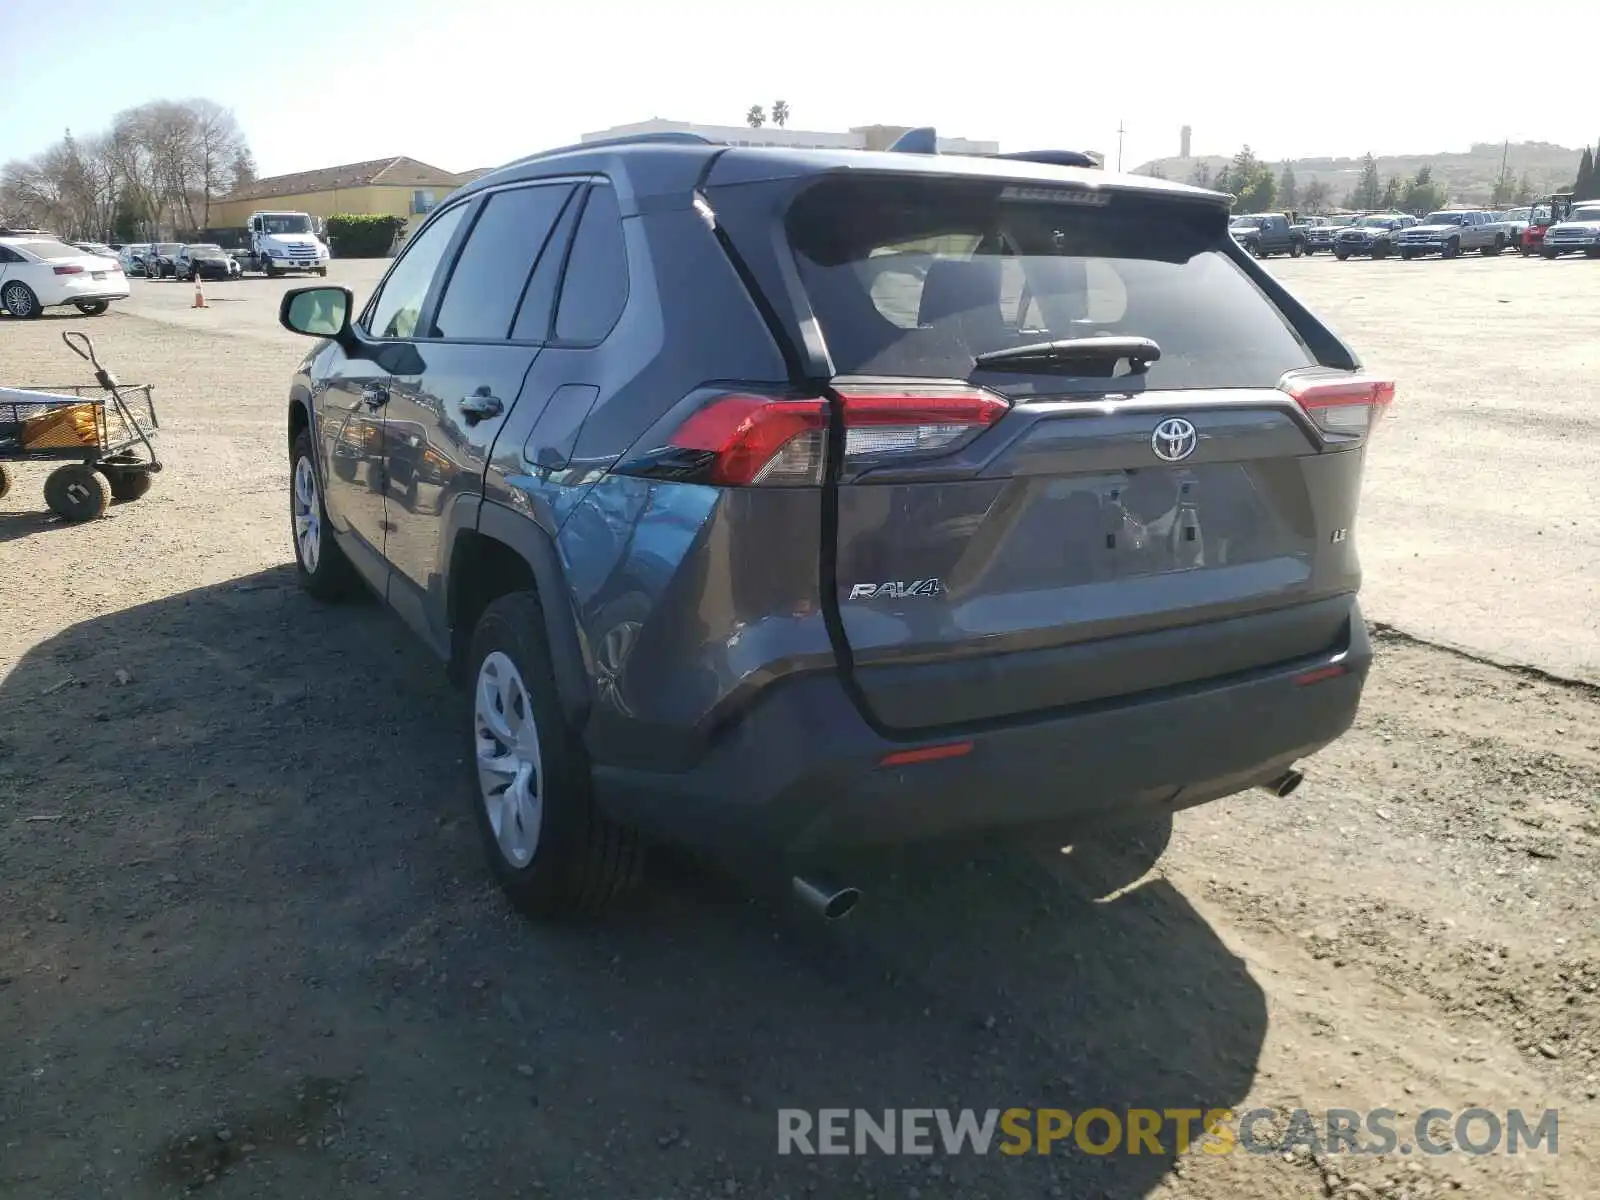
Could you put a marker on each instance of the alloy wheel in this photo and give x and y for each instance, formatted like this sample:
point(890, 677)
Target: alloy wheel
point(510, 768)
point(307, 516)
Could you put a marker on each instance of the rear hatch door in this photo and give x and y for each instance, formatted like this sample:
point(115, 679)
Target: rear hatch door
point(1072, 524)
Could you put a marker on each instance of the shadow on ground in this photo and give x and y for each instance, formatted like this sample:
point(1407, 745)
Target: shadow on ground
point(249, 948)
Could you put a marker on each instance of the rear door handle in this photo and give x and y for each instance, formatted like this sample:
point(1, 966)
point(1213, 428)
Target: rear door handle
point(480, 406)
point(374, 395)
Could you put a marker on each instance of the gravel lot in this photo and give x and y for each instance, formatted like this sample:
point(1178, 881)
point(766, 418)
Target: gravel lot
point(247, 945)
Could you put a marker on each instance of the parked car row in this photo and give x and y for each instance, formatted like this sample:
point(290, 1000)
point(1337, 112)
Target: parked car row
point(1552, 228)
point(174, 260)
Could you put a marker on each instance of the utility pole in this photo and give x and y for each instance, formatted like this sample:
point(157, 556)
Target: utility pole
point(1120, 132)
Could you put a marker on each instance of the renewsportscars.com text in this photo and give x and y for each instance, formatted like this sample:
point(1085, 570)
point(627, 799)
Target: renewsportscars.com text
point(1016, 1131)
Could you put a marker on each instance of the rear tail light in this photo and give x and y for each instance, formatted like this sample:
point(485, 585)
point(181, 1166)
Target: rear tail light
point(71, 269)
point(1340, 403)
point(740, 439)
point(916, 418)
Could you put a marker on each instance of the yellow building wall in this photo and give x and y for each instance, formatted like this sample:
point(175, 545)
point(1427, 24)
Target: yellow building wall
point(373, 199)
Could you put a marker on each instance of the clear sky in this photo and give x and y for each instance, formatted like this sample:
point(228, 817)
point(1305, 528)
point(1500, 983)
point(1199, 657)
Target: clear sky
point(472, 83)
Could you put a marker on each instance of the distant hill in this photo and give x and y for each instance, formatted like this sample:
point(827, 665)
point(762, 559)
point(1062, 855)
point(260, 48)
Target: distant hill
point(1470, 176)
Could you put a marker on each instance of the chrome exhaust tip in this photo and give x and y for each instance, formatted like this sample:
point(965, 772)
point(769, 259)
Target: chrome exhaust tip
point(828, 900)
point(1284, 785)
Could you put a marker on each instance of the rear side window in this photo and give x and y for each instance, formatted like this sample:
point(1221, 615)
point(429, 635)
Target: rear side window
point(917, 277)
point(489, 277)
point(595, 288)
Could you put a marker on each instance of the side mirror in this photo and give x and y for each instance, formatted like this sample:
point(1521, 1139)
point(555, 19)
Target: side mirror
point(321, 312)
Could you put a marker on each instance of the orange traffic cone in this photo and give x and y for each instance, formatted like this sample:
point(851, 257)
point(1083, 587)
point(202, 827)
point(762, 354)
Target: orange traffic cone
point(199, 294)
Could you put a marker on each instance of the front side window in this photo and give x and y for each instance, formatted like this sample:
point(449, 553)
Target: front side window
point(398, 304)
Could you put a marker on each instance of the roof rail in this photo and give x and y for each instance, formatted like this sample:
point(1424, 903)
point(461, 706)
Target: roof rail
point(925, 140)
point(666, 137)
point(1055, 158)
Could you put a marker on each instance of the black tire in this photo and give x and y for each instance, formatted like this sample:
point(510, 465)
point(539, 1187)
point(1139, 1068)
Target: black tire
point(1491, 251)
point(1407, 255)
point(1451, 249)
point(1592, 252)
point(267, 268)
point(322, 271)
point(127, 485)
point(1260, 250)
point(1341, 254)
point(6, 480)
point(331, 577)
point(1380, 251)
point(581, 861)
point(1296, 249)
point(19, 300)
point(77, 493)
point(1550, 254)
point(92, 308)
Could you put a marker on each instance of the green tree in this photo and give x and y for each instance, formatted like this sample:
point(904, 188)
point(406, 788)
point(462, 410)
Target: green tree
point(1584, 188)
point(1201, 175)
point(1525, 191)
point(1391, 194)
point(1260, 193)
point(1315, 197)
point(780, 113)
point(1422, 195)
point(1505, 187)
point(1288, 190)
point(1369, 192)
point(756, 117)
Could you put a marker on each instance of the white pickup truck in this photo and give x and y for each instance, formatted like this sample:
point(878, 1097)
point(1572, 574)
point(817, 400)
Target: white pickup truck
point(282, 242)
point(1450, 233)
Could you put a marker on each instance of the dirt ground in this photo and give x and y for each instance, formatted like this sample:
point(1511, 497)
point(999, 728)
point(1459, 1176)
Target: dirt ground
point(248, 946)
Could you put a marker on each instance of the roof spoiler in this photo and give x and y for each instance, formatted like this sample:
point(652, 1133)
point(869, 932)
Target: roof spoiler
point(925, 140)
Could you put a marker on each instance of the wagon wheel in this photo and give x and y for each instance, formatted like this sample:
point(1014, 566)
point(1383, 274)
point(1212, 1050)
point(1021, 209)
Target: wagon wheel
point(127, 484)
point(77, 493)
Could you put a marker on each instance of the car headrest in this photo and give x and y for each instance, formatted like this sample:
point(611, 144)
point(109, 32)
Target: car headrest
point(965, 288)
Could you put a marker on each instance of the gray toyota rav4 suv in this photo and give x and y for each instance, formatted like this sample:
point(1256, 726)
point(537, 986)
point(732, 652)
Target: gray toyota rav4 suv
point(775, 502)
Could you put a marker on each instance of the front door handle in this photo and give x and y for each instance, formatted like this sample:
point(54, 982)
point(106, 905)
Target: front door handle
point(479, 406)
point(374, 395)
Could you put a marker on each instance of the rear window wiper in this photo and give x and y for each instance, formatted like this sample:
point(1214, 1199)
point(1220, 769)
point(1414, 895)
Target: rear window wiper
point(1139, 351)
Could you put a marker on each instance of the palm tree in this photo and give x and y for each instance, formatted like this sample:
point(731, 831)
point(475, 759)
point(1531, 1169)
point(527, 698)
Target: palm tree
point(780, 113)
point(756, 117)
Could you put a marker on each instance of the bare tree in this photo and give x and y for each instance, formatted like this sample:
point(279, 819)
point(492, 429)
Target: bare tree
point(161, 165)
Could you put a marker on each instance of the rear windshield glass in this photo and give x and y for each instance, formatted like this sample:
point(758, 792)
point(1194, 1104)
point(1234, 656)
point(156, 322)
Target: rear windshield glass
point(47, 249)
point(916, 277)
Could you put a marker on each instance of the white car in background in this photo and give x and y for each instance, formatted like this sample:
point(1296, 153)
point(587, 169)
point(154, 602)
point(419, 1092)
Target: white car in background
point(38, 272)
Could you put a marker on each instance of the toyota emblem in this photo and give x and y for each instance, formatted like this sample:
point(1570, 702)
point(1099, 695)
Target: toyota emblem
point(1174, 440)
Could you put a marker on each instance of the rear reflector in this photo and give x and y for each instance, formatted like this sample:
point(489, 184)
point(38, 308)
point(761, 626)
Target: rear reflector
point(1320, 675)
point(71, 269)
point(1340, 403)
point(902, 758)
point(742, 439)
